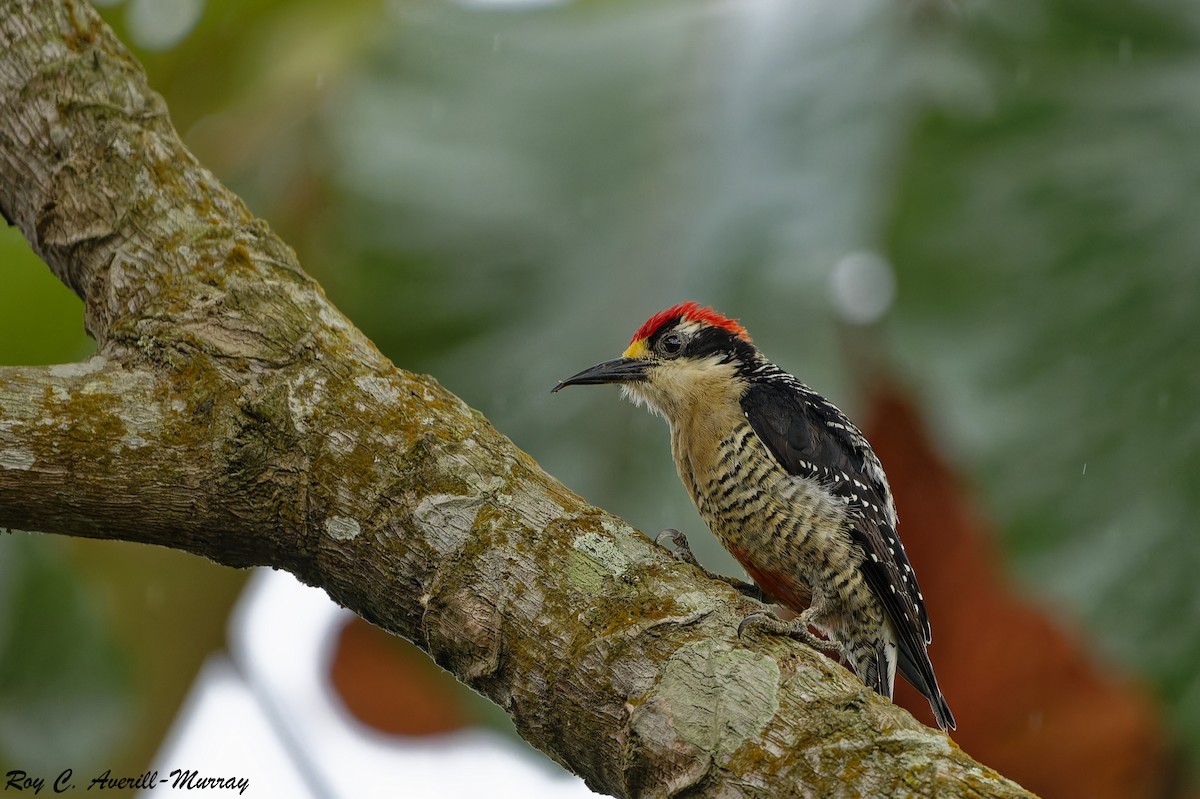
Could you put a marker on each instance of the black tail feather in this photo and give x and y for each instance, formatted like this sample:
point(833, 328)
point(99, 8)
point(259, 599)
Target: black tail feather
point(925, 682)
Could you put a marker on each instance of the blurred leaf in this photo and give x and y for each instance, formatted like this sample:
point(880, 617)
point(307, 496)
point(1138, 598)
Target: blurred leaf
point(65, 699)
point(41, 321)
point(1048, 252)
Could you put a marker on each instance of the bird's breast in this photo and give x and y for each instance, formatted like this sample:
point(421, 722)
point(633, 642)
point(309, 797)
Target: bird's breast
point(788, 532)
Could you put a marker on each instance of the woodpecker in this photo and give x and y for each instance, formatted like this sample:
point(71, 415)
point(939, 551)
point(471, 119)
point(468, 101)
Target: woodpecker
point(789, 486)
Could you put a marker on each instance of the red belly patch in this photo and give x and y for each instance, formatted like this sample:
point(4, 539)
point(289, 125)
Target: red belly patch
point(780, 586)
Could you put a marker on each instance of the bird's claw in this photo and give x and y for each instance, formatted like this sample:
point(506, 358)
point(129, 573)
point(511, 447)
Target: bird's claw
point(753, 620)
point(681, 551)
point(796, 629)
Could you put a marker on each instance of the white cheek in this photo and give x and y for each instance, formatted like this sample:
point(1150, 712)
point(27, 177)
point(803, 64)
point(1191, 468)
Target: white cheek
point(632, 394)
point(635, 393)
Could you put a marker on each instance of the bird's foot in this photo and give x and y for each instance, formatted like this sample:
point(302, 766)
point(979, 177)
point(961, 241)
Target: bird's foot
point(682, 551)
point(796, 628)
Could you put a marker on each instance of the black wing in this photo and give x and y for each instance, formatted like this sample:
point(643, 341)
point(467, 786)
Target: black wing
point(811, 438)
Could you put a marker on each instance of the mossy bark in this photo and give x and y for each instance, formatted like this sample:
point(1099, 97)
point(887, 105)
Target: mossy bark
point(233, 412)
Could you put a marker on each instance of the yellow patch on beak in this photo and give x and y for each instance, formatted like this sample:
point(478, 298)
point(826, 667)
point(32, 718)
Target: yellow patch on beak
point(637, 349)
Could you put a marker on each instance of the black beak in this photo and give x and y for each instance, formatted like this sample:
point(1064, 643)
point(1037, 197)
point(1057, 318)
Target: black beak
point(618, 370)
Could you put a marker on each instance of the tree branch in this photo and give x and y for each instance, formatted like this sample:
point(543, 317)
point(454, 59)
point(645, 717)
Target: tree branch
point(234, 413)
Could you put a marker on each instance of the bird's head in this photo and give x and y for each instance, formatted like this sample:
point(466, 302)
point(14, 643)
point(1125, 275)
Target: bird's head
point(678, 358)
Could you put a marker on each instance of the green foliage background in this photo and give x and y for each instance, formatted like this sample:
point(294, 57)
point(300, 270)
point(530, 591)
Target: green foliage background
point(498, 195)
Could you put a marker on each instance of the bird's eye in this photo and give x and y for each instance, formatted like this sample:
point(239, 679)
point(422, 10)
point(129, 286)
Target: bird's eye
point(670, 345)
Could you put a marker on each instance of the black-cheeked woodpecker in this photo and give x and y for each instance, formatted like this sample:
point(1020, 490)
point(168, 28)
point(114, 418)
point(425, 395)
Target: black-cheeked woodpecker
point(790, 487)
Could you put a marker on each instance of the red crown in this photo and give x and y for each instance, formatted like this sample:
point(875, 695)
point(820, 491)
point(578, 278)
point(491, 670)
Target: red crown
point(693, 313)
